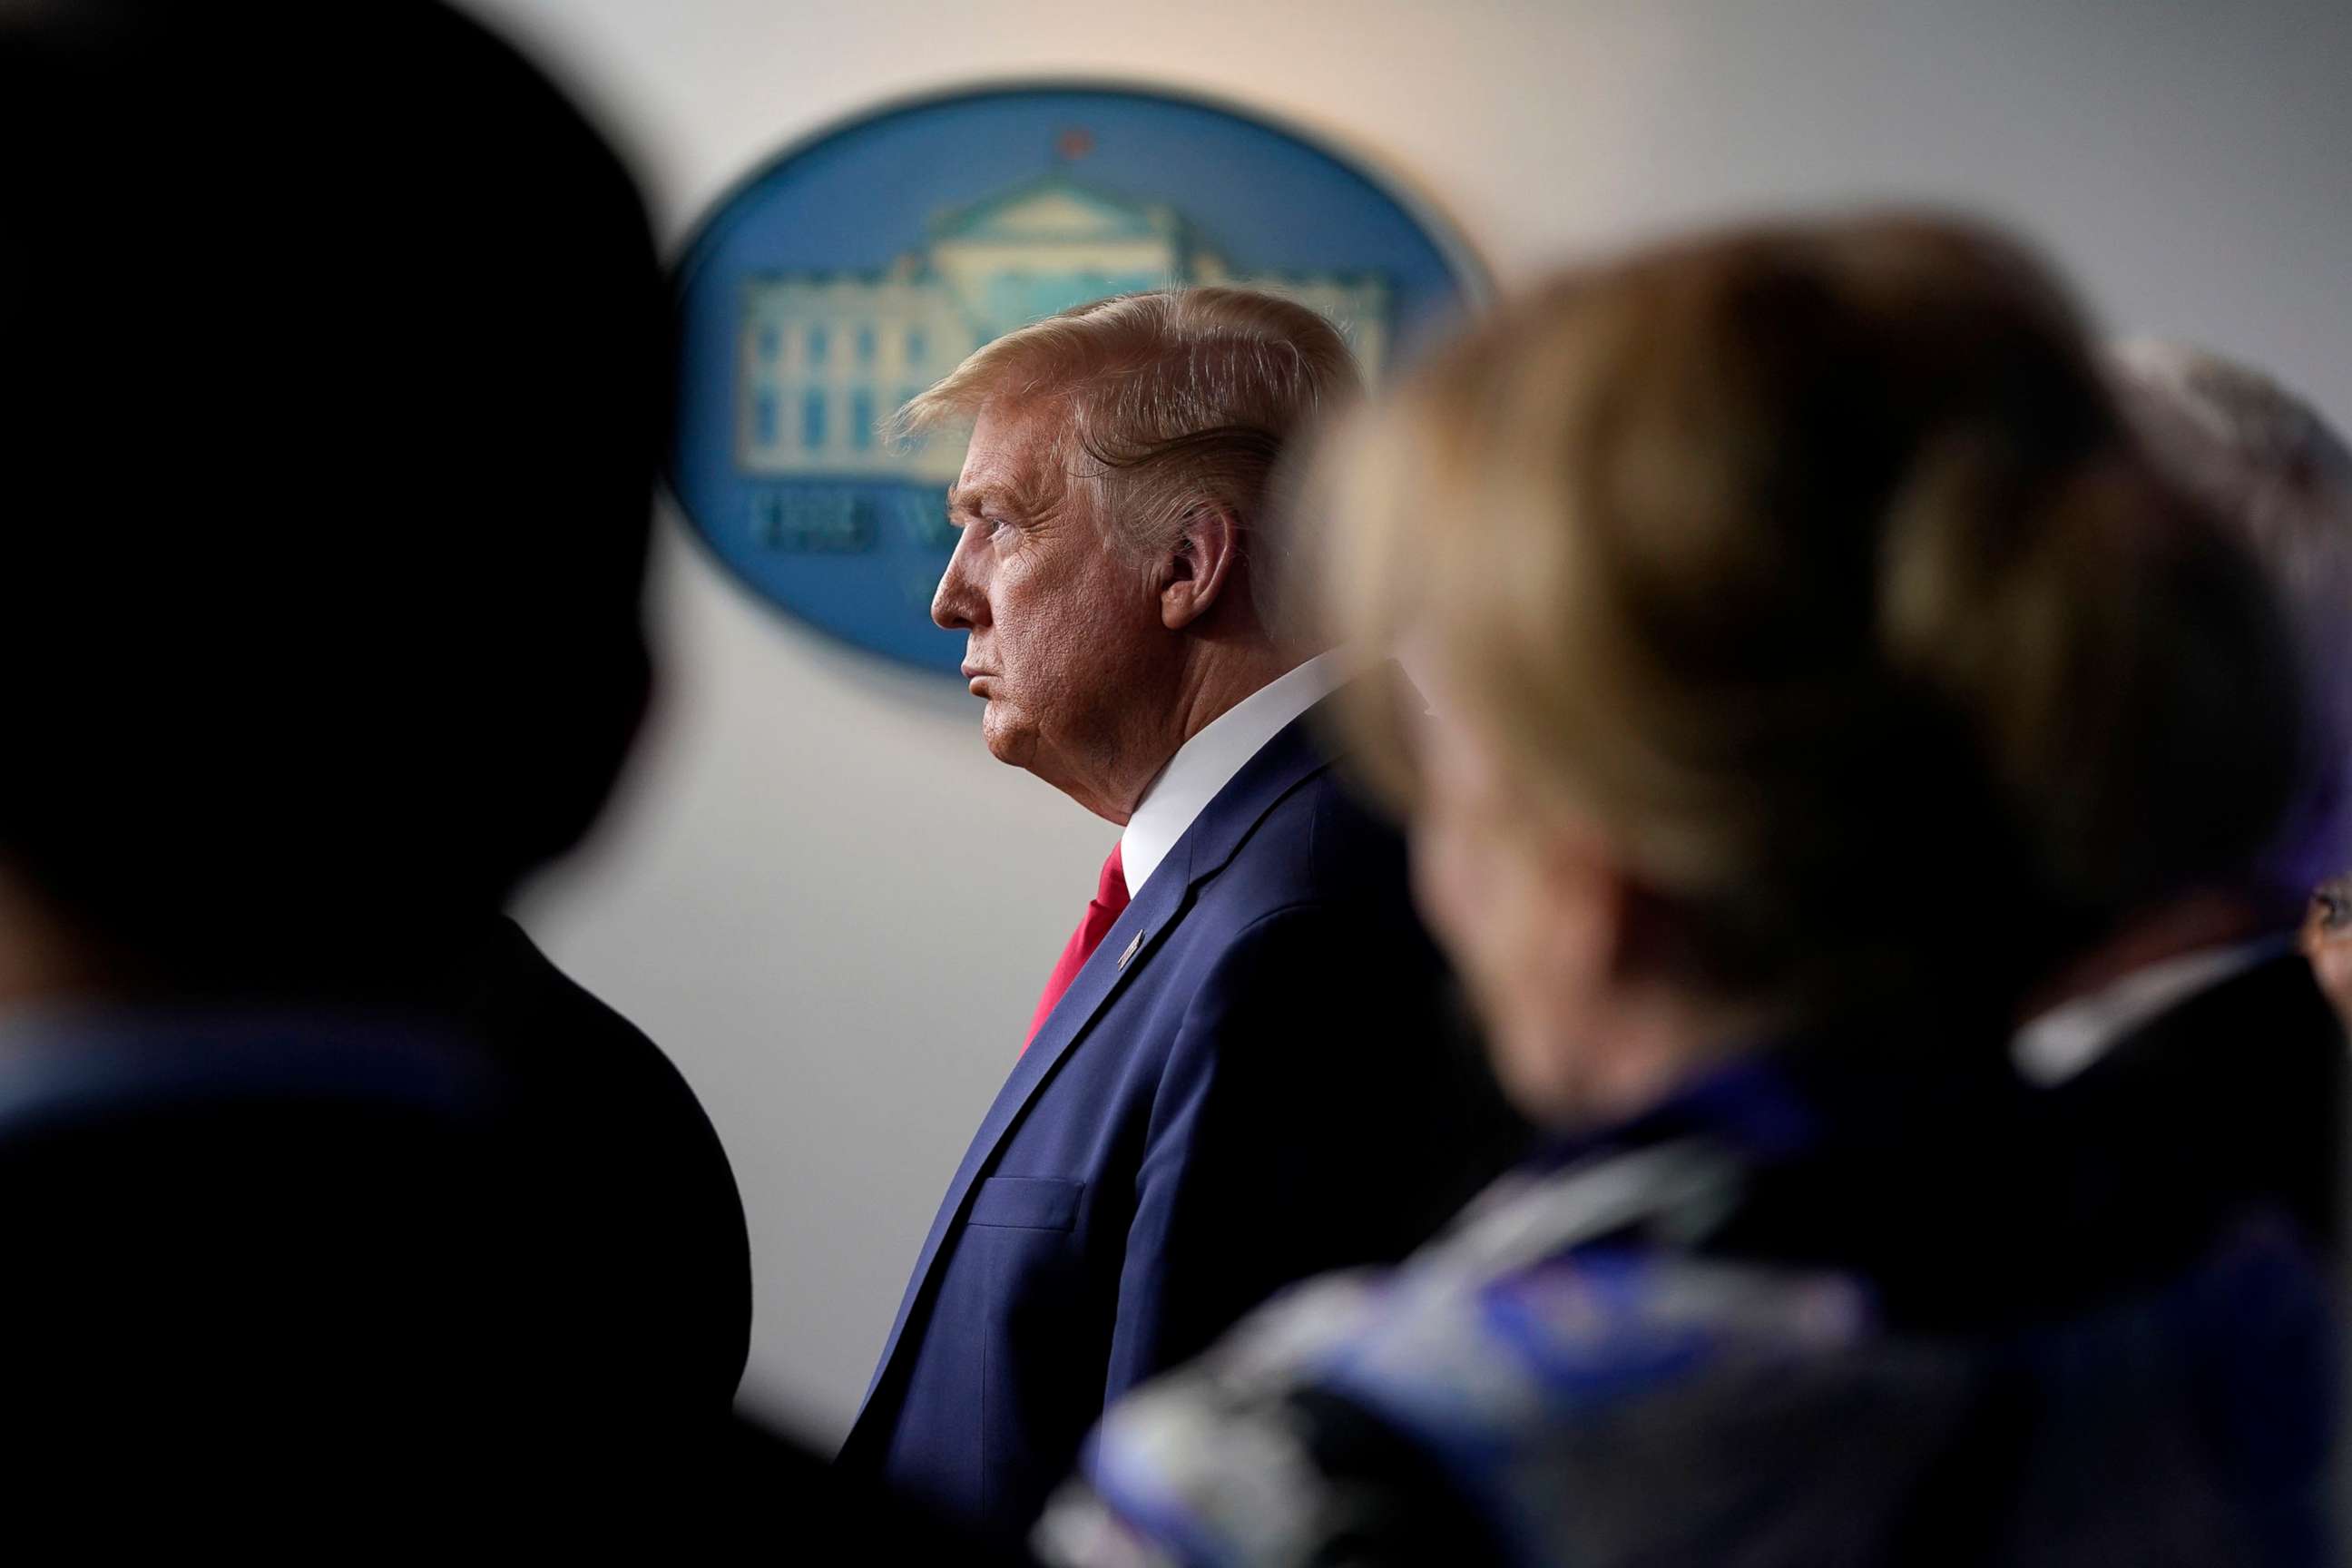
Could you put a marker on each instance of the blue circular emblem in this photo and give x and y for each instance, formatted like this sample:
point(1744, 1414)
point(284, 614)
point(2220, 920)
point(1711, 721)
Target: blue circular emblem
point(860, 267)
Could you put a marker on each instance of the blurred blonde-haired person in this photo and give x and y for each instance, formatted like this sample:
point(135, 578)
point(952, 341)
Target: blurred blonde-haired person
point(1818, 669)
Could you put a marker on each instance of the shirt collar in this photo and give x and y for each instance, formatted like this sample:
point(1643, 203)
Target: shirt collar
point(1208, 762)
point(2057, 1045)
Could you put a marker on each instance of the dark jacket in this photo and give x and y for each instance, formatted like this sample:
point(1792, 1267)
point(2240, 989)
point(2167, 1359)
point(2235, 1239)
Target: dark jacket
point(279, 1234)
point(634, 1204)
point(1249, 1082)
point(2233, 1096)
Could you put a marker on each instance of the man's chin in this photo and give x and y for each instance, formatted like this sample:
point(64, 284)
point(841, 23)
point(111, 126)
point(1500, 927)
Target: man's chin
point(1008, 740)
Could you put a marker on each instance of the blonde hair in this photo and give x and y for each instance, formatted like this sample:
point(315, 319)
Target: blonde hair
point(1811, 563)
point(1171, 399)
point(2274, 471)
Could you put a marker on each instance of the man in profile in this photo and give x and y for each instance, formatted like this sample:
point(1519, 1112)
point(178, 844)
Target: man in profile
point(1241, 1070)
point(332, 396)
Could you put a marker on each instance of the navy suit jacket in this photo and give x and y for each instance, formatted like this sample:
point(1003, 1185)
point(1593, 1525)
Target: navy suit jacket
point(1259, 1075)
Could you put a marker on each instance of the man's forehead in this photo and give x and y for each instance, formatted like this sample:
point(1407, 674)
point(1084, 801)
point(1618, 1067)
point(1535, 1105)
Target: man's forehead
point(1012, 451)
point(1026, 424)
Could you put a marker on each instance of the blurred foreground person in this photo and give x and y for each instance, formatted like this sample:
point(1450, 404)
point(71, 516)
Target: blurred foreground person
point(1817, 668)
point(2269, 467)
point(1240, 1072)
point(333, 342)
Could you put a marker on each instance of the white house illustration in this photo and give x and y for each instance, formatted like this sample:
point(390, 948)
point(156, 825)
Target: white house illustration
point(826, 356)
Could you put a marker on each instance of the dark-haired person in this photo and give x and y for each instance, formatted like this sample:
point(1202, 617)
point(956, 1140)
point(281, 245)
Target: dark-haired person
point(2269, 467)
point(1818, 668)
point(331, 395)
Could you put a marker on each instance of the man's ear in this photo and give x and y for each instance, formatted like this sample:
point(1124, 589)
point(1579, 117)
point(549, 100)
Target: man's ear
point(1205, 560)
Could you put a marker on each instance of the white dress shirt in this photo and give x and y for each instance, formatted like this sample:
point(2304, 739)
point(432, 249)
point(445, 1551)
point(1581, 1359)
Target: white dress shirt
point(1208, 762)
point(2067, 1038)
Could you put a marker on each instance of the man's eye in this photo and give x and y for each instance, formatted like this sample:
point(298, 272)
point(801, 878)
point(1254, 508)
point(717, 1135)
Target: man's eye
point(2334, 907)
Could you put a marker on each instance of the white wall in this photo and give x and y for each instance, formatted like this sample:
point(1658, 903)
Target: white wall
point(821, 895)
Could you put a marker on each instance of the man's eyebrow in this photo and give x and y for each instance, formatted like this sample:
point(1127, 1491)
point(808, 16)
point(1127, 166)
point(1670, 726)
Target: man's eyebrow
point(973, 498)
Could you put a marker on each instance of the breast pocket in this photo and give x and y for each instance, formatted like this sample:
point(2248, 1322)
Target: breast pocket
point(1040, 1388)
point(1027, 1203)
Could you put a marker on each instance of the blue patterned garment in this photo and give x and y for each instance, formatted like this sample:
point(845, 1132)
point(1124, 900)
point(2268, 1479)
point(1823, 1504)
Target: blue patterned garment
point(1778, 1323)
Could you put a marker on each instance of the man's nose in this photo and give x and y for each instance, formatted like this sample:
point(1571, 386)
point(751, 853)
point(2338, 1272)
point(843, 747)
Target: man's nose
point(957, 603)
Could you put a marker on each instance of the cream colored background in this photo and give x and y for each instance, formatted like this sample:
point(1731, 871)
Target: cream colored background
point(820, 894)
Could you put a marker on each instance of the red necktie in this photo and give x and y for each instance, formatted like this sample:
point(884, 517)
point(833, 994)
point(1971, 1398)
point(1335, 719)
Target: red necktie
point(1102, 910)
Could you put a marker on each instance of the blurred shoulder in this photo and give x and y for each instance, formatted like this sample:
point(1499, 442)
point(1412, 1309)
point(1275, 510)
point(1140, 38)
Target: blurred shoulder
point(555, 1038)
point(518, 980)
point(1597, 1400)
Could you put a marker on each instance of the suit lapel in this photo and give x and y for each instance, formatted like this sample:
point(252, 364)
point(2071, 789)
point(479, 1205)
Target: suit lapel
point(1144, 918)
point(1280, 766)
